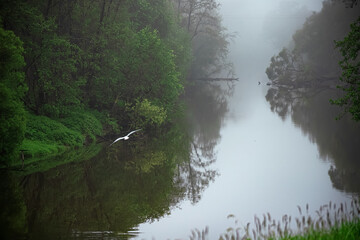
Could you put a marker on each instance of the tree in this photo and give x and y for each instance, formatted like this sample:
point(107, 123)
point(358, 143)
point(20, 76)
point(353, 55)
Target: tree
point(50, 59)
point(144, 114)
point(293, 80)
point(312, 65)
point(349, 3)
point(199, 16)
point(349, 48)
point(209, 39)
point(12, 90)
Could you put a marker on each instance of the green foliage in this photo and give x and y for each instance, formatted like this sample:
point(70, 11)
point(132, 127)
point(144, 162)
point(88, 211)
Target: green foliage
point(137, 64)
point(94, 55)
point(50, 136)
point(155, 14)
point(347, 231)
point(56, 80)
point(144, 114)
point(84, 122)
point(44, 129)
point(157, 79)
point(350, 65)
point(12, 125)
point(123, 188)
point(12, 88)
point(47, 156)
point(313, 66)
point(51, 59)
point(12, 62)
point(35, 148)
point(149, 162)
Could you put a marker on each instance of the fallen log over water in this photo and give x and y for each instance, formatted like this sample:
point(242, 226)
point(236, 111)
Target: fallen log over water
point(217, 79)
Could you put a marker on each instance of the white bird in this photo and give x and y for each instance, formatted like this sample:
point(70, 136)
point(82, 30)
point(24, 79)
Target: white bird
point(125, 137)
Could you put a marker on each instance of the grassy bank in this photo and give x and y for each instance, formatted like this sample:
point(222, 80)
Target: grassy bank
point(46, 162)
point(46, 136)
point(330, 222)
point(346, 231)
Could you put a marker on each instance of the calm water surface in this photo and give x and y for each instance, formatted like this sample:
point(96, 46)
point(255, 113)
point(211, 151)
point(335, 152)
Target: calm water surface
point(265, 163)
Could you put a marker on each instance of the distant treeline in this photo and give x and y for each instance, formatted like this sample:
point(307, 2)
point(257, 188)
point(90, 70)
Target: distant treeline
point(324, 57)
point(100, 66)
point(304, 79)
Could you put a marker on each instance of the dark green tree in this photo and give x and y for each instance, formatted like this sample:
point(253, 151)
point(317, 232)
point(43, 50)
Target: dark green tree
point(312, 65)
point(350, 65)
point(12, 89)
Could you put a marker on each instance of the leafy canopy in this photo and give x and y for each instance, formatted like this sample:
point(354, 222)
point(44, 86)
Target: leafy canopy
point(12, 89)
point(350, 65)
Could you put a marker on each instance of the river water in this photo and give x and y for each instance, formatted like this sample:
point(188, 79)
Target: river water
point(265, 163)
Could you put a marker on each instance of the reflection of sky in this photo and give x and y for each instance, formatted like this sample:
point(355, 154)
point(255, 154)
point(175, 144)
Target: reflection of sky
point(265, 164)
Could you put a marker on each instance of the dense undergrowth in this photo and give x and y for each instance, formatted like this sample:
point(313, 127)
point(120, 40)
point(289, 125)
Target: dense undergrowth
point(44, 136)
point(120, 64)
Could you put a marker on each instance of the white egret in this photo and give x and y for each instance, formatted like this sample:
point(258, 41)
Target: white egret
point(125, 137)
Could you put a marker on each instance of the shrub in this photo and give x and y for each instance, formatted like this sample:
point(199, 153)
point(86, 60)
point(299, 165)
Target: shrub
point(143, 113)
point(84, 122)
point(44, 129)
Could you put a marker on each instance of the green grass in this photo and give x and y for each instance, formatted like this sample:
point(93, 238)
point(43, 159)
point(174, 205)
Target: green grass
point(38, 148)
point(45, 136)
point(83, 122)
point(44, 129)
point(331, 222)
point(46, 162)
point(347, 231)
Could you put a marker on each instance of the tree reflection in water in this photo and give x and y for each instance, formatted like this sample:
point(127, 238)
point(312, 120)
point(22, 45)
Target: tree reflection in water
point(304, 79)
point(109, 194)
point(207, 106)
point(338, 141)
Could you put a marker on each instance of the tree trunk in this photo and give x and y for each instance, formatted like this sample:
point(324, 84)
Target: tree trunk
point(102, 11)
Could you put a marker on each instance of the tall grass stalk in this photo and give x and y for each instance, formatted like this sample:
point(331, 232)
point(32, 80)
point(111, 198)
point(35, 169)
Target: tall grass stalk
point(331, 221)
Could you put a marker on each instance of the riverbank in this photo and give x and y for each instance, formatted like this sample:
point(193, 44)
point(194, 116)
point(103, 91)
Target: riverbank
point(347, 231)
point(331, 222)
point(47, 136)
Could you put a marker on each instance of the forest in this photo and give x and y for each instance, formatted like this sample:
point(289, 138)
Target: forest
point(324, 51)
point(316, 81)
point(76, 71)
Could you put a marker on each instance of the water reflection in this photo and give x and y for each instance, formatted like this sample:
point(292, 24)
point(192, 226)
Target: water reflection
point(337, 140)
point(109, 191)
point(207, 105)
point(12, 207)
point(113, 192)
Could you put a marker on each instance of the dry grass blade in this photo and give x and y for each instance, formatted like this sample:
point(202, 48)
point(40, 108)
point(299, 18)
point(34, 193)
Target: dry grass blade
point(299, 209)
point(327, 217)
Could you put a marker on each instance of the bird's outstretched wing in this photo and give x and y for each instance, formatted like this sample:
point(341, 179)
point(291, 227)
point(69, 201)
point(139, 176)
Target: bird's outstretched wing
point(133, 132)
point(116, 140)
point(126, 137)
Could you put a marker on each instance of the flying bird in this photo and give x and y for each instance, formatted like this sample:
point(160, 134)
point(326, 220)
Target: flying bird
point(125, 137)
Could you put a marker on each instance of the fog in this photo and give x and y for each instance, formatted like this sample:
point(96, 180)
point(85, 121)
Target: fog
point(273, 22)
point(265, 163)
point(261, 27)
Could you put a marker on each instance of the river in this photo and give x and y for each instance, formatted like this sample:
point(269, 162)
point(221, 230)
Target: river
point(238, 157)
point(265, 163)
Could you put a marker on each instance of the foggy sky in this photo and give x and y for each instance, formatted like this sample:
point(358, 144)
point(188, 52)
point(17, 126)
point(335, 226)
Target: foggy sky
point(254, 18)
